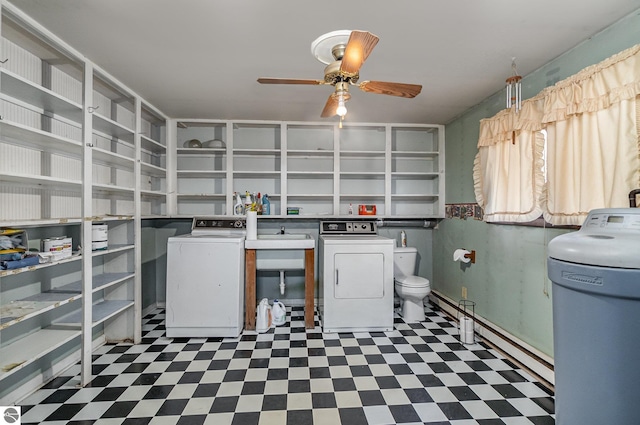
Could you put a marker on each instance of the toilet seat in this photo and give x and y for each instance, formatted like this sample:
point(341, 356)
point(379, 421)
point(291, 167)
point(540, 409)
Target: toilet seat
point(413, 282)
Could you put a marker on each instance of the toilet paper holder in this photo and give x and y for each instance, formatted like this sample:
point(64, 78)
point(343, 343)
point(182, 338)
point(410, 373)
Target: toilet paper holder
point(472, 256)
point(464, 256)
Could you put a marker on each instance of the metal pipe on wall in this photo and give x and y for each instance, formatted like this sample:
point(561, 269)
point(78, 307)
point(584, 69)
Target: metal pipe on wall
point(428, 224)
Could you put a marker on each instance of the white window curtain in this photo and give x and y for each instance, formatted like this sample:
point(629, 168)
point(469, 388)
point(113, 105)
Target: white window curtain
point(593, 147)
point(508, 169)
point(593, 158)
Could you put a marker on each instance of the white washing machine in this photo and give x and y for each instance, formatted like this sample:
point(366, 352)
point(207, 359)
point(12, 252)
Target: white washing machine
point(355, 270)
point(205, 280)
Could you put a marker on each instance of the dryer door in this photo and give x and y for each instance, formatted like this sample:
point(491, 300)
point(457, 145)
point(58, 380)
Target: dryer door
point(359, 275)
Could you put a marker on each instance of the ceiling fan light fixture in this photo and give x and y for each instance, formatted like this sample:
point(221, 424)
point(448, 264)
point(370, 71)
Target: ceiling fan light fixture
point(344, 52)
point(341, 110)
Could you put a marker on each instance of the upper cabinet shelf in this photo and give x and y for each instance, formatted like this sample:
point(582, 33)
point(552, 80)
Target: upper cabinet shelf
point(112, 128)
point(40, 97)
point(23, 135)
point(317, 167)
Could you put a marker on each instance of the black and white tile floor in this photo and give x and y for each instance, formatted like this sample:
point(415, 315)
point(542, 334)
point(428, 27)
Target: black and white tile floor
point(417, 374)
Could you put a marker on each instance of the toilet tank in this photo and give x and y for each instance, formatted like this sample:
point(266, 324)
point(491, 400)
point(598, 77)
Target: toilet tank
point(404, 261)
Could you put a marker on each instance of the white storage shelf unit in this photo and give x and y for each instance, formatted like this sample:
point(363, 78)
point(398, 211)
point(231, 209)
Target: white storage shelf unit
point(34, 300)
point(153, 161)
point(76, 147)
point(316, 167)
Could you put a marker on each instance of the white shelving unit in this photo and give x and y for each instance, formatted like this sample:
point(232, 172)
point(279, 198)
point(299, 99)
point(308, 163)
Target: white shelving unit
point(77, 147)
point(153, 161)
point(417, 171)
point(319, 168)
point(201, 173)
point(257, 161)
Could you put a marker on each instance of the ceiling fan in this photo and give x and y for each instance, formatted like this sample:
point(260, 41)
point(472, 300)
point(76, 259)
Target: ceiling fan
point(344, 52)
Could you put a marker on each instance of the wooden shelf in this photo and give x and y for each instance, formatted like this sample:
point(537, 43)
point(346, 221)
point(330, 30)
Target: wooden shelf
point(152, 170)
point(255, 152)
point(152, 193)
point(201, 174)
point(310, 196)
point(46, 181)
point(367, 175)
point(308, 153)
point(26, 308)
point(40, 222)
point(5, 273)
point(362, 154)
point(202, 196)
point(100, 312)
point(150, 145)
point(34, 138)
point(33, 347)
point(310, 174)
point(414, 197)
point(111, 188)
point(38, 96)
point(112, 128)
point(414, 174)
point(202, 151)
point(111, 158)
point(258, 174)
point(413, 154)
point(101, 281)
point(112, 248)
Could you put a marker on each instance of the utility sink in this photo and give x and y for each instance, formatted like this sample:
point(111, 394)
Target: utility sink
point(281, 241)
point(281, 251)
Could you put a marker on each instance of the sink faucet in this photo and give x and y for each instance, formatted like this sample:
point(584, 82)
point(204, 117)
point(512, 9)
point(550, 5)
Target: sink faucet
point(282, 230)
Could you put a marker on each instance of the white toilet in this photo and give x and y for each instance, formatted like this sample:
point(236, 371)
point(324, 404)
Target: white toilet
point(410, 288)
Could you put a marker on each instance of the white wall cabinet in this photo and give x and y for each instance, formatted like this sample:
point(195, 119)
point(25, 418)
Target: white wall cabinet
point(316, 167)
point(76, 148)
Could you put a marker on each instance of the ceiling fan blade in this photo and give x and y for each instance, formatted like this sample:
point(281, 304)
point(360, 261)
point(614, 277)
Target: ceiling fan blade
point(392, 89)
point(360, 45)
point(330, 107)
point(290, 81)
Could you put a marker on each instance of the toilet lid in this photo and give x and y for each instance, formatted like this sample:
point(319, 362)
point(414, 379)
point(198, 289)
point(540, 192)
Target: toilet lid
point(413, 281)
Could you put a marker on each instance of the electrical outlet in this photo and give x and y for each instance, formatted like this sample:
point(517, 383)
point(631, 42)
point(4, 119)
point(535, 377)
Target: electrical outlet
point(464, 292)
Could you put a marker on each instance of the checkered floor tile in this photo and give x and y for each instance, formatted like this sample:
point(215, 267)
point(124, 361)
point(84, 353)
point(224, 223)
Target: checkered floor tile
point(417, 374)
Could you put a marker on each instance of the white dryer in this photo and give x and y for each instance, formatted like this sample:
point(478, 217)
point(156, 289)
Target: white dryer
point(205, 280)
point(355, 270)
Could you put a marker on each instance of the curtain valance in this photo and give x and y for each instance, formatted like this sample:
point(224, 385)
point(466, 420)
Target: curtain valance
point(595, 88)
point(592, 121)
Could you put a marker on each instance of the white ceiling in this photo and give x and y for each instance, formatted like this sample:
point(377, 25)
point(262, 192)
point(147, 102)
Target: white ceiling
point(201, 58)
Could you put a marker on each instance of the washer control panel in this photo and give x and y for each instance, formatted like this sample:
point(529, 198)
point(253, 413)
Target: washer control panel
point(204, 223)
point(348, 228)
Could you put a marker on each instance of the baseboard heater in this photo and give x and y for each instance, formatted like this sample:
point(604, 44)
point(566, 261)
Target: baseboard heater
point(527, 357)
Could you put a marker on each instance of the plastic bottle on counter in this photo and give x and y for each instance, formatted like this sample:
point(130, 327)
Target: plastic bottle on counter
point(266, 205)
point(259, 204)
point(238, 208)
point(403, 239)
point(254, 202)
point(350, 209)
point(247, 202)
